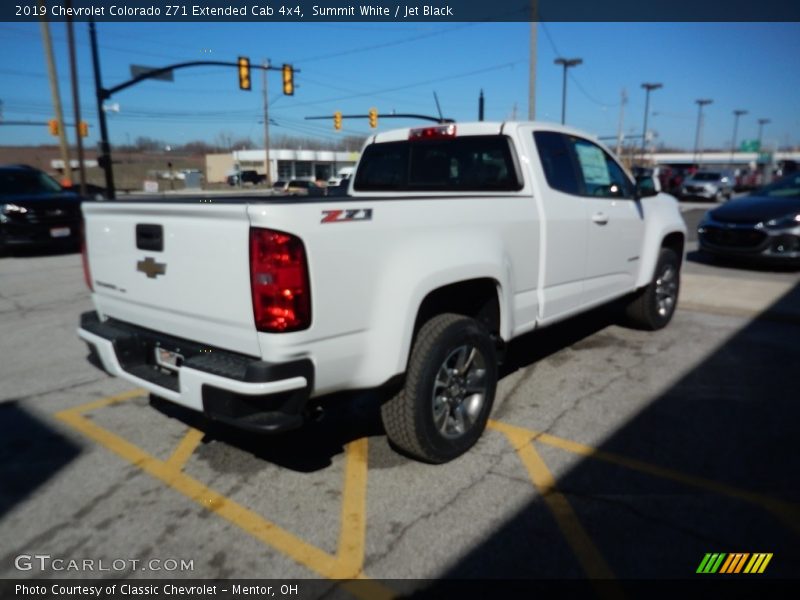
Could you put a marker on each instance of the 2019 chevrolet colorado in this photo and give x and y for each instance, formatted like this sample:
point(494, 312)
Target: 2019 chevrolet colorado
point(453, 240)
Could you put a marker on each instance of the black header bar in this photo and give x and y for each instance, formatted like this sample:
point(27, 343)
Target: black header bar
point(393, 11)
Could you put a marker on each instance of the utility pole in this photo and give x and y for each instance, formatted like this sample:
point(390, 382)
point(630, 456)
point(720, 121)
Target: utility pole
point(698, 134)
point(566, 63)
point(266, 124)
point(105, 148)
point(622, 103)
point(532, 60)
point(76, 101)
point(736, 115)
point(51, 71)
point(480, 107)
point(648, 87)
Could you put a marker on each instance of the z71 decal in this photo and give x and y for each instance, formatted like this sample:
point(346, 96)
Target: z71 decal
point(345, 216)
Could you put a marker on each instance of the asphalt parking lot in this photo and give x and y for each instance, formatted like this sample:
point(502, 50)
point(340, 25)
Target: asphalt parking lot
point(612, 453)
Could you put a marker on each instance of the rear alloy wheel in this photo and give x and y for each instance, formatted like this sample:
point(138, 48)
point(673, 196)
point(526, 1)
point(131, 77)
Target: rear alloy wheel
point(652, 307)
point(450, 385)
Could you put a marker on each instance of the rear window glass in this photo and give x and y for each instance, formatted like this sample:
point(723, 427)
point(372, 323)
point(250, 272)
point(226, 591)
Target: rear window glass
point(469, 163)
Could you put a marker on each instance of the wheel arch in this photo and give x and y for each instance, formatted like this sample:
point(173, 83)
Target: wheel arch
point(478, 298)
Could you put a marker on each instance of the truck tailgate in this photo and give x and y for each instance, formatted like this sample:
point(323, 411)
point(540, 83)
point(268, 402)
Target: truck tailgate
point(182, 269)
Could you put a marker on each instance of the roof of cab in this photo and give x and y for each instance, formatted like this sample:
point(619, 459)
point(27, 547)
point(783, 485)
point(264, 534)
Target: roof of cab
point(477, 128)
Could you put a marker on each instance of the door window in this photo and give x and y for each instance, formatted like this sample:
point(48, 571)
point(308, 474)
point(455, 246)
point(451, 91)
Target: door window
point(576, 166)
point(602, 176)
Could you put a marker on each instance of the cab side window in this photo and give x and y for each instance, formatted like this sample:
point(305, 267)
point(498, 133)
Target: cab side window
point(557, 161)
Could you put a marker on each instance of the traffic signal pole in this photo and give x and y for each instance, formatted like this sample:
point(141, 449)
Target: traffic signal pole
point(106, 93)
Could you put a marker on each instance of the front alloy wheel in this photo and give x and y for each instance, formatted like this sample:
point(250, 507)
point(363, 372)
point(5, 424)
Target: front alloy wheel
point(652, 307)
point(666, 290)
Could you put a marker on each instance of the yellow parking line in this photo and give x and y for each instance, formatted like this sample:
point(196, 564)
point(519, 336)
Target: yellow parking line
point(344, 566)
point(352, 535)
point(185, 449)
point(95, 404)
point(592, 562)
point(785, 511)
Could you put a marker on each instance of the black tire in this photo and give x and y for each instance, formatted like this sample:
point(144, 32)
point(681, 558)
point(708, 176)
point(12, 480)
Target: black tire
point(653, 306)
point(410, 417)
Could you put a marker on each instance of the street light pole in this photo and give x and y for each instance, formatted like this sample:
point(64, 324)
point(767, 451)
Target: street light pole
point(267, 166)
point(648, 87)
point(736, 114)
point(761, 123)
point(566, 63)
point(700, 104)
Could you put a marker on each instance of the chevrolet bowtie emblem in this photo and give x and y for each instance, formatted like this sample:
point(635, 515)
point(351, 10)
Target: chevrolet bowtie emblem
point(151, 268)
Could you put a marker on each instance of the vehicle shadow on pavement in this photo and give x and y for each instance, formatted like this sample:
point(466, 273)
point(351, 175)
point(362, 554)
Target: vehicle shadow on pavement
point(31, 453)
point(539, 344)
point(350, 416)
point(347, 417)
point(727, 428)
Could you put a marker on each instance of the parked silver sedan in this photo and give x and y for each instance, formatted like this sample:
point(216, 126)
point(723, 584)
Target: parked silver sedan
point(715, 186)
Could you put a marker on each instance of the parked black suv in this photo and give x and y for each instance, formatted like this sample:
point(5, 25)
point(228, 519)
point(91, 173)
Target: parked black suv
point(246, 177)
point(35, 210)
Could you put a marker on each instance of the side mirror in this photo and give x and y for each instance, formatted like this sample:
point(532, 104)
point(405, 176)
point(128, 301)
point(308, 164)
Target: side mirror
point(645, 186)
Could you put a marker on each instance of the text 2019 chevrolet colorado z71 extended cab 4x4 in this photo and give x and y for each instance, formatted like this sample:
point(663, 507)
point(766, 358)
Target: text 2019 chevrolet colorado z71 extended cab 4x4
point(453, 240)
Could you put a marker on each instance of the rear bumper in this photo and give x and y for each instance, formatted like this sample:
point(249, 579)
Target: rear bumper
point(239, 390)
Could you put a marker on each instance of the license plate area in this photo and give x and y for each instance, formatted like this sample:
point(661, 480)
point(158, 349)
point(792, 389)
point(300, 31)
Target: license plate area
point(167, 359)
point(59, 232)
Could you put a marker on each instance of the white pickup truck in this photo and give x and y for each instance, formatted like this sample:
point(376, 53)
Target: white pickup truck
point(453, 240)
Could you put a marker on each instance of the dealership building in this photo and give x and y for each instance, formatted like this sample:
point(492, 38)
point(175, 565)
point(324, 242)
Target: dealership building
point(319, 165)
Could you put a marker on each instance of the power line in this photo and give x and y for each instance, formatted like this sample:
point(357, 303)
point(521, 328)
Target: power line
point(399, 42)
point(411, 85)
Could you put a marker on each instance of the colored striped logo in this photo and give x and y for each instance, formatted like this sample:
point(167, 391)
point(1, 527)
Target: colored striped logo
point(737, 562)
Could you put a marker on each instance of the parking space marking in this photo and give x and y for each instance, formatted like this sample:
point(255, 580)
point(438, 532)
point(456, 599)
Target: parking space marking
point(347, 563)
point(353, 532)
point(787, 512)
point(590, 558)
point(185, 449)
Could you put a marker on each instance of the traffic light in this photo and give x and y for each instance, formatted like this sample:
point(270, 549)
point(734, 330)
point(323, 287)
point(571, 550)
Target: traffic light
point(288, 80)
point(373, 117)
point(244, 73)
point(52, 125)
point(337, 120)
point(83, 128)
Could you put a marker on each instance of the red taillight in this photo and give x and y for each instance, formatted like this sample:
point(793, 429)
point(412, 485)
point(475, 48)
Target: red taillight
point(87, 274)
point(279, 281)
point(433, 133)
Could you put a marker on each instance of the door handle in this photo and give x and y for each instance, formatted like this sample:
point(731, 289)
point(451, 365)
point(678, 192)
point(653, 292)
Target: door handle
point(600, 218)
